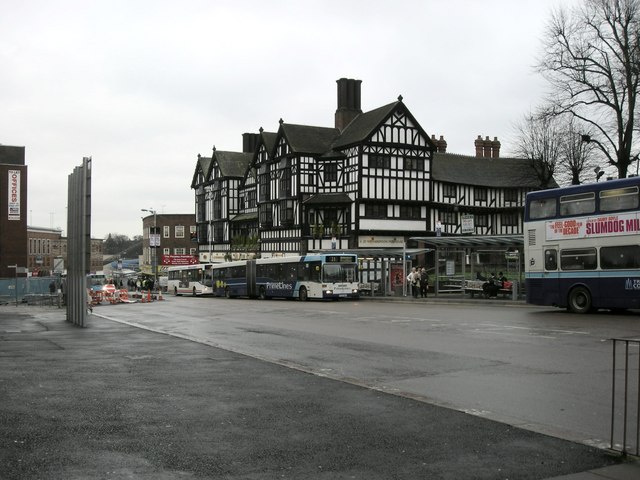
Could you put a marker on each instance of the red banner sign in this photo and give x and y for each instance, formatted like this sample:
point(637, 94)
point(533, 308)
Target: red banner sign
point(179, 260)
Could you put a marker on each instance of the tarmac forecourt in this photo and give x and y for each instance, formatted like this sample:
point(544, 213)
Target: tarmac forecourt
point(114, 401)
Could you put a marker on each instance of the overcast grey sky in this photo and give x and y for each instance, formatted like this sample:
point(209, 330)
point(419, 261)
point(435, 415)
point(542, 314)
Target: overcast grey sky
point(143, 86)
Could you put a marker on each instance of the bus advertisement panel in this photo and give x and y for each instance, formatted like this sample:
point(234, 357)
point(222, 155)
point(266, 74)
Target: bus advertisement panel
point(592, 227)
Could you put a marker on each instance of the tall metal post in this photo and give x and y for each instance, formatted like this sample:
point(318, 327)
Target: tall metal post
point(154, 242)
point(155, 251)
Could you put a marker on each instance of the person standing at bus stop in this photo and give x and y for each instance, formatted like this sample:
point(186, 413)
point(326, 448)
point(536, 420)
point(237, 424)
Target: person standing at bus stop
point(424, 282)
point(414, 280)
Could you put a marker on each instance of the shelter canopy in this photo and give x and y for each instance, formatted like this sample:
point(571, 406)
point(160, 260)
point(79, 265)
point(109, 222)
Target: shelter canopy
point(380, 252)
point(475, 241)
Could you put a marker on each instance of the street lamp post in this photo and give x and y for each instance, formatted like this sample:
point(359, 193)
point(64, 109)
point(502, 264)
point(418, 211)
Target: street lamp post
point(155, 243)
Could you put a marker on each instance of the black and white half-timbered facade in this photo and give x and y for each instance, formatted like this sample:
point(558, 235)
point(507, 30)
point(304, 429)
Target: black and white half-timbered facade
point(487, 190)
point(217, 181)
point(371, 181)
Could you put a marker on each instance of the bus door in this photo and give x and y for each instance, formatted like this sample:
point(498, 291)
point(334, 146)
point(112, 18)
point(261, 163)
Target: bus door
point(252, 290)
point(550, 286)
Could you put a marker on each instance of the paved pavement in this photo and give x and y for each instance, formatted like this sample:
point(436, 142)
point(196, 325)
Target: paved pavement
point(112, 401)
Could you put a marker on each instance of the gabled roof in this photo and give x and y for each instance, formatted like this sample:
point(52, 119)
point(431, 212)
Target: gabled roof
point(269, 140)
point(203, 165)
point(364, 125)
point(485, 172)
point(308, 139)
point(232, 164)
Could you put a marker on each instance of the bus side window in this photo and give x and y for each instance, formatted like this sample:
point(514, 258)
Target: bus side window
point(578, 259)
point(619, 199)
point(314, 269)
point(551, 259)
point(625, 256)
point(542, 208)
point(577, 204)
point(290, 272)
point(303, 272)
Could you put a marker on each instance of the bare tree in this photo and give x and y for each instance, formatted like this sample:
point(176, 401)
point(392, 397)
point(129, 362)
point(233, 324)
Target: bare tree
point(592, 61)
point(577, 159)
point(538, 140)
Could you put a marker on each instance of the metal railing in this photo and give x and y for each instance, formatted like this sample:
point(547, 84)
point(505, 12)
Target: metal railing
point(625, 397)
point(17, 290)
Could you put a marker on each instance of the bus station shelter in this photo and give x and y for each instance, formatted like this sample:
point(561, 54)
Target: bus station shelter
point(460, 258)
point(450, 261)
point(383, 270)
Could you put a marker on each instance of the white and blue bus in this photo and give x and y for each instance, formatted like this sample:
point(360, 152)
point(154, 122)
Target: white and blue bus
point(190, 280)
point(315, 276)
point(582, 246)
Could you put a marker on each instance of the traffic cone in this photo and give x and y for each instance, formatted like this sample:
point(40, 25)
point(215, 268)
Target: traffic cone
point(149, 296)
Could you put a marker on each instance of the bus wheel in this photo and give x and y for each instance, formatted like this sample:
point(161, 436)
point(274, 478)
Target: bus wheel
point(304, 296)
point(227, 292)
point(194, 291)
point(262, 294)
point(579, 300)
point(175, 291)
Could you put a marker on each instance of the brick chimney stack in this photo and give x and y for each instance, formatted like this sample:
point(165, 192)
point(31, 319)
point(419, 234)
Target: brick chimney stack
point(487, 148)
point(495, 148)
point(348, 102)
point(441, 145)
point(479, 143)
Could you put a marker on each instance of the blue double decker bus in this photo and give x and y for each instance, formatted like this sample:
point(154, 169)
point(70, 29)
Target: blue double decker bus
point(582, 246)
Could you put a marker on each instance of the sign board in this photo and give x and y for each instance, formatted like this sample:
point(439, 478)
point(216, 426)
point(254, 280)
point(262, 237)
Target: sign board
point(380, 242)
point(179, 260)
point(58, 265)
point(14, 195)
point(467, 223)
point(451, 267)
point(154, 240)
point(397, 277)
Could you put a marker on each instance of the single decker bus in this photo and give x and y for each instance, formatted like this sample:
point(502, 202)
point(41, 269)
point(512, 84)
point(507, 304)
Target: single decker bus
point(190, 279)
point(582, 246)
point(313, 276)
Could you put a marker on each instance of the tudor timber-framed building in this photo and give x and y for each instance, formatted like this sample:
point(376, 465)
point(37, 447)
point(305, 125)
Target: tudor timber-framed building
point(373, 180)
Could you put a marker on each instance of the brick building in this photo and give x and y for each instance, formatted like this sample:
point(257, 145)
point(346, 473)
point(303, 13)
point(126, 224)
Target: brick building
point(176, 238)
point(47, 244)
point(13, 208)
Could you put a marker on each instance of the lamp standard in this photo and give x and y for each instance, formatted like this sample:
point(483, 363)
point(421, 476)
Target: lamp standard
point(154, 242)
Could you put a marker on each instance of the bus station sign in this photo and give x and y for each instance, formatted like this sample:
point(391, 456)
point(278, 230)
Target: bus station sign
point(179, 260)
point(591, 227)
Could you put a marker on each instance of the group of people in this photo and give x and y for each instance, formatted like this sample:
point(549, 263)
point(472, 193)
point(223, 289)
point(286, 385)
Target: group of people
point(493, 284)
point(419, 281)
